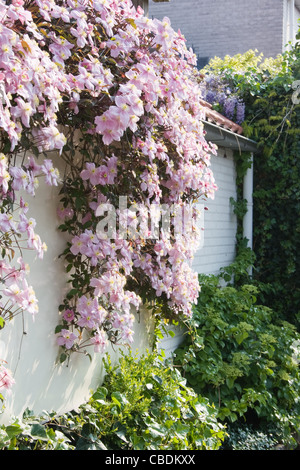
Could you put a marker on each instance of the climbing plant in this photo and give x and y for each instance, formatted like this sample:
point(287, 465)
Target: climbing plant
point(269, 90)
point(112, 92)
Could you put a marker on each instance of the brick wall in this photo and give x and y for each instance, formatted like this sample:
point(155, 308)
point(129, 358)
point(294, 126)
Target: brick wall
point(220, 27)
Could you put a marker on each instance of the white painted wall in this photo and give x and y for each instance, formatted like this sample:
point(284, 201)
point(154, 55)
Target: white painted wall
point(41, 384)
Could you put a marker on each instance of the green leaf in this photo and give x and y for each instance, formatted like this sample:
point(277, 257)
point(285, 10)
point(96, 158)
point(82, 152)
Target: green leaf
point(157, 379)
point(241, 336)
point(63, 357)
point(229, 382)
point(100, 395)
point(131, 22)
point(39, 431)
point(72, 293)
point(156, 430)
point(121, 433)
point(119, 399)
point(85, 444)
point(13, 430)
point(58, 329)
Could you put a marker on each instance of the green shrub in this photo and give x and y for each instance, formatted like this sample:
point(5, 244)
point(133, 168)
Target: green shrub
point(272, 119)
point(240, 357)
point(142, 404)
point(146, 405)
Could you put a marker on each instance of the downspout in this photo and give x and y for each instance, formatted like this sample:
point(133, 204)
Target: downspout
point(290, 18)
point(248, 196)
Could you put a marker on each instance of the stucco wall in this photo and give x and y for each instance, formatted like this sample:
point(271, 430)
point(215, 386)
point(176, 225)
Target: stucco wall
point(41, 383)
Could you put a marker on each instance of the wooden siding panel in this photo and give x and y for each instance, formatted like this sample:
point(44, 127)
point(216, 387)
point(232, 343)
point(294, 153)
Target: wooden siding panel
point(220, 222)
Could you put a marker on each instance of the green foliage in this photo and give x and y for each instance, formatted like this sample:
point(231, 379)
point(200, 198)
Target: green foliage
point(245, 437)
point(240, 357)
point(31, 433)
point(146, 405)
point(142, 404)
point(273, 120)
point(240, 62)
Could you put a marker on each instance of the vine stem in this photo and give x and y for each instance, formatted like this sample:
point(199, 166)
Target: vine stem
point(21, 343)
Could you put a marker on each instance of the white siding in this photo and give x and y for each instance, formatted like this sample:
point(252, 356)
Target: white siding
point(220, 222)
point(169, 343)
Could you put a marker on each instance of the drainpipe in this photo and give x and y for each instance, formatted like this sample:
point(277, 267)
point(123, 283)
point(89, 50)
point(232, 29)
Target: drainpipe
point(290, 22)
point(143, 3)
point(248, 195)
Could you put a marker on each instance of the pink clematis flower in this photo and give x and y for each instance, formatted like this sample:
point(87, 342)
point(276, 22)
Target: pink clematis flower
point(6, 378)
point(24, 110)
point(51, 173)
point(69, 315)
point(91, 173)
point(66, 338)
point(100, 341)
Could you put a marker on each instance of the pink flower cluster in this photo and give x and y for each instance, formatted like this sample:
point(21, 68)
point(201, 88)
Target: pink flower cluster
point(126, 81)
point(6, 378)
point(18, 232)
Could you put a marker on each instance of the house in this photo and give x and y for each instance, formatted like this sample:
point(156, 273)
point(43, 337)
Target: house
point(228, 27)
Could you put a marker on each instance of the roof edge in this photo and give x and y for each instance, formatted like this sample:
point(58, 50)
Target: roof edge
point(228, 139)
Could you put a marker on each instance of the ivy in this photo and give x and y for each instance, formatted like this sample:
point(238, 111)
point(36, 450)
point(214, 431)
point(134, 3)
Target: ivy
point(272, 118)
point(142, 405)
point(241, 357)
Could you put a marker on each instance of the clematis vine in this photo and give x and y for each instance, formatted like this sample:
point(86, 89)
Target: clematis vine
point(114, 94)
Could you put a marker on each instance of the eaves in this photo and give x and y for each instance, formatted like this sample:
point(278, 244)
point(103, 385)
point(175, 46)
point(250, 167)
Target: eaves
point(228, 139)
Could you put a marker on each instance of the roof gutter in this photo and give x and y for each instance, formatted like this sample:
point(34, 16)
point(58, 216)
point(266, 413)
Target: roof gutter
point(228, 139)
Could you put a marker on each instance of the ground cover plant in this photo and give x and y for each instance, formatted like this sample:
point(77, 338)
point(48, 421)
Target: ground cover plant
point(142, 405)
